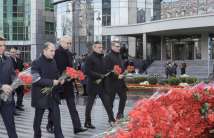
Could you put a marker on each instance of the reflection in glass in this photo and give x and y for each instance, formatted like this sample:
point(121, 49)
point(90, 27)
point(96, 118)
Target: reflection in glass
point(16, 19)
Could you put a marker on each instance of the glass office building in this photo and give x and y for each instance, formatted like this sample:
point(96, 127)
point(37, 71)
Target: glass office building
point(115, 19)
point(27, 24)
point(164, 29)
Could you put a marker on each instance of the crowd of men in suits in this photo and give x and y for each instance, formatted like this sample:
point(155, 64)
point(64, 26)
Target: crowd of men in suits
point(50, 65)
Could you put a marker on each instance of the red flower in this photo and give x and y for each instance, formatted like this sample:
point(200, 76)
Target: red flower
point(81, 75)
point(26, 79)
point(26, 90)
point(177, 114)
point(71, 72)
point(211, 118)
point(117, 69)
point(26, 65)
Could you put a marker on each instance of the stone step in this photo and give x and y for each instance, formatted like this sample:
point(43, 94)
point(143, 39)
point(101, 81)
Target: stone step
point(197, 68)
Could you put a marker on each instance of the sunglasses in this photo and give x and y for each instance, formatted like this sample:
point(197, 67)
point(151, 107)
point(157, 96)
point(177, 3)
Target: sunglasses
point(117, 46)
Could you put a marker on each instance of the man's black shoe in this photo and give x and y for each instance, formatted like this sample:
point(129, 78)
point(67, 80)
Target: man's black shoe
point(79, 130)
point(19, 108)
point(112, 123)
point(50, 128)
point(119, 116)
point(89, 126)
point(16, 114)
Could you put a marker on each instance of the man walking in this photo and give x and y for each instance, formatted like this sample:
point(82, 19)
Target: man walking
point(64, 58)
point(18, 65)
point(46, 67)
point(115, 84)
point(7, 74)
point(94, 69)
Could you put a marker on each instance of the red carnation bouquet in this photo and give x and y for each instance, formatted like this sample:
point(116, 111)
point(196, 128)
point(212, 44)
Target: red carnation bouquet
point(117, 70)
point(69, 73)
point(73, 74)
point(180, 113)
point(22, 78)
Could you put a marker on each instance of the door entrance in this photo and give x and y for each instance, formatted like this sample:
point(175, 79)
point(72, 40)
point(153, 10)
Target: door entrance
point(184, 51)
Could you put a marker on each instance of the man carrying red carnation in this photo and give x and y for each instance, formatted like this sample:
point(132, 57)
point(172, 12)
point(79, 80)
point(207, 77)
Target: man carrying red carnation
point(114, 83)
point(64, 59)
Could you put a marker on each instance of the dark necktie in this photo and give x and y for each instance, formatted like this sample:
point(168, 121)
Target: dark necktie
point(1, 59)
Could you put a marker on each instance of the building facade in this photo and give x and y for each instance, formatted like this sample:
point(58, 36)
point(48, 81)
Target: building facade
point(76, 19)
point(27, 24)
point(157, 29)
point(167, 29)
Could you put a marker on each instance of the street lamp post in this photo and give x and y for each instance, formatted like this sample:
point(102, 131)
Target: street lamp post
point(98, 24)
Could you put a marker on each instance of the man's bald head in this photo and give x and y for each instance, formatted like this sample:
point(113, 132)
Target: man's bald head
point(65, 42)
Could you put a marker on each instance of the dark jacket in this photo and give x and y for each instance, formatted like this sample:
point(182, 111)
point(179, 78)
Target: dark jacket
point(111, 60)
point(7, 72)
point(94, 69)
point(48, 72)
point(18, 64)
point(64, 58)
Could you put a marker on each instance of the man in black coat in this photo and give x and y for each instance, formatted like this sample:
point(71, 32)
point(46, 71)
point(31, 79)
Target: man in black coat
point(46, 67)
point(18, 65)
point(64, 58)
point(94, 69)
point(7, 74)
point(115, 84)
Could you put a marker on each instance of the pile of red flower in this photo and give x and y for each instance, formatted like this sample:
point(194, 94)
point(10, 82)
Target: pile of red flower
point(179, 113)
point(74, 74)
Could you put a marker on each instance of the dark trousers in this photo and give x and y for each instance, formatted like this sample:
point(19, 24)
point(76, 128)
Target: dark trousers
point(73, 113)
point(7, 110)
point(123, 97)
point(84, 90)
point(90, 101)
point(54, 108)
point(20, 95)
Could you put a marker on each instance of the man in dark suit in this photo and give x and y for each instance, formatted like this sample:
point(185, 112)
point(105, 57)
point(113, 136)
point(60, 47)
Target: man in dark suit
point(18, 65)
point(7, 74)
point(115, 84)
point(94, 69)
point(64, 58)
point(46, 67)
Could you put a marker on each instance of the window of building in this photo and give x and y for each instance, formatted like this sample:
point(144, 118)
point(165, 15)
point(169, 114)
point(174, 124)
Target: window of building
point(48, 5)
point(20, 31)
point(139, 48)
point(16, 19)
point(49, 28)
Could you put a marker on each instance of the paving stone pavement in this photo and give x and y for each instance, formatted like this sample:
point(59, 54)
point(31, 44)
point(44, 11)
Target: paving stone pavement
point(24, 122)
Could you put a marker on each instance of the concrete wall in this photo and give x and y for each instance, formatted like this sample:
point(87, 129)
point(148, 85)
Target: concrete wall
point(204, 46)
point(132, 11)
point(161, 25)
point(132, 46)
point(38, 18)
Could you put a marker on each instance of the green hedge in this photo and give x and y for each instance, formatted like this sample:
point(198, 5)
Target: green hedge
point(155, 80)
